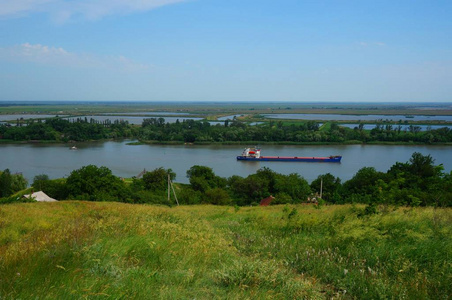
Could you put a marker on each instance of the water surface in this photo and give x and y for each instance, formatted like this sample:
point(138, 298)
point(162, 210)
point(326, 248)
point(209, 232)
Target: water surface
point(127, 161)
point(25, 116)
point(133, 120)
point(231, 117)
point(157, 113)
point(338, 117)
point(394, 126)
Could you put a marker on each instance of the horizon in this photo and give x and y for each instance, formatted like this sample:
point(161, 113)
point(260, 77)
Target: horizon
point(235, 101)
point(178, 51)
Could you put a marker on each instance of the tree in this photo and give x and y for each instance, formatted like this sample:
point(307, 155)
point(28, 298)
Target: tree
point(39, 180)
point(203, 178)
point(18, 182)
point(96, 184)
point(422, 165)
point(5, 183)
point(330, 186)
point(293, 185)
point(11, 183)
point(157, 179)
point(217, 196)
point(269, 176)
point(248, 190)
point(363, 183)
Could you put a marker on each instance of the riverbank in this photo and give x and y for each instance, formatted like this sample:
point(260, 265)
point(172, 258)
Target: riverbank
point(248, 143)
point(242, 143)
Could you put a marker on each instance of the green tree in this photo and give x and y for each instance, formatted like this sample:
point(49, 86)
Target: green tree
point(203, 178)
point(5, 183)
point(157, 179)
point(363, 183)
point(248, 190)
point(96, 184)
point(293, 185)
point(18, 182)
point(11, 183)
point(217, 196)
point(330, 187)
point(39, 180)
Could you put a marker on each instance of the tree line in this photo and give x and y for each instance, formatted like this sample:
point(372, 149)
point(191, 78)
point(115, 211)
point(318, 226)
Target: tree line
point(277, 131)
point(190, 131)
point(418, 182)
point(64, 130)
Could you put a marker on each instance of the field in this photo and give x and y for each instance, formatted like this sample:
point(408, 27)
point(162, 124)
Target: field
point(213, 110)
point(95, 250)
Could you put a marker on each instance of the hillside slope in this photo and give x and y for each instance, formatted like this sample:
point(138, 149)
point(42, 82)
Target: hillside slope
point(112, 250)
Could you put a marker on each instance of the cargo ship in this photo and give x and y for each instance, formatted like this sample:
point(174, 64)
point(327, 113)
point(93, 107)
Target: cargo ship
point(254, 154)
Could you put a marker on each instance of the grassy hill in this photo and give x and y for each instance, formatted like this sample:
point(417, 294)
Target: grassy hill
point(95, 250)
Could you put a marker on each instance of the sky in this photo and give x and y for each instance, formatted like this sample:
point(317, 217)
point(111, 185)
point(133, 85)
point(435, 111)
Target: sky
point(229, 50)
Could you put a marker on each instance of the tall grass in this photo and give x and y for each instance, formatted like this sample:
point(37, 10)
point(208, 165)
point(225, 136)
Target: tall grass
point(114, 250)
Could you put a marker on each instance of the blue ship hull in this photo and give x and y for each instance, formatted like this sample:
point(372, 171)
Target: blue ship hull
point(333, 159)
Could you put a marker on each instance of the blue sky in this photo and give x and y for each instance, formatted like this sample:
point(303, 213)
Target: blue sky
point(211, 50)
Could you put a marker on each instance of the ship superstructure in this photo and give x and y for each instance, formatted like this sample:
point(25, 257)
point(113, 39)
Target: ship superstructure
point(254, 154)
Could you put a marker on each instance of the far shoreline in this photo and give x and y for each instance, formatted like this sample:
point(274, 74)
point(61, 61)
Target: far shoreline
point(242, 143)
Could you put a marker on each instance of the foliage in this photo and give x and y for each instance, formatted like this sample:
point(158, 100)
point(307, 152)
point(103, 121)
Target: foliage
point(330, 186)
point(39, 180)
point(302, 132)
point(288, 188)
point(203, 178)
point(217, 196)
point(157, 179)
point(58, 129)
point(190, 131)
point(16, 199)
point(96, 184)
point(55, 188)
point(11, 183)
point(363, 182)
point(5, 183)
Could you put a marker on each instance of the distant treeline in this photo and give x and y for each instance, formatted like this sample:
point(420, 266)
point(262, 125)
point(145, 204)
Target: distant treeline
point(58, 129)
point(417, 182)
point(190, 131)
point(302, 132)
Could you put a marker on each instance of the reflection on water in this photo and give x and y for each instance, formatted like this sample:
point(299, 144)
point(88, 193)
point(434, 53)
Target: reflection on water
point(133, 120)
point(24, 116)
point(394, 126)
point(156, 113)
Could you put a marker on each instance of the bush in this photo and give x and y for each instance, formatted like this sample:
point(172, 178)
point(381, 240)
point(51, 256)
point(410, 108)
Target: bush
point(217, 196)
point(96, 184)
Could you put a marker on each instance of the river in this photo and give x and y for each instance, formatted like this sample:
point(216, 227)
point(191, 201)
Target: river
point(339, 117)
point(57, 160)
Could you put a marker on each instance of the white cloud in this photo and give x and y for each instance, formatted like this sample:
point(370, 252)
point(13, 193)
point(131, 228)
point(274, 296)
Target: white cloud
point(19, 7)
point(62, 10)
point(57, 56)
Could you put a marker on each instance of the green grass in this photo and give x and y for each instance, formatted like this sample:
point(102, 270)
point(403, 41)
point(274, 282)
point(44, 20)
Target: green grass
point(73, 250)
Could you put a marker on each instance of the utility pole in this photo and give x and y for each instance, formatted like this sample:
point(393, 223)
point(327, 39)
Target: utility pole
point(168, 188)
point(174, 193)
point(170, 184)
point(321, 187)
